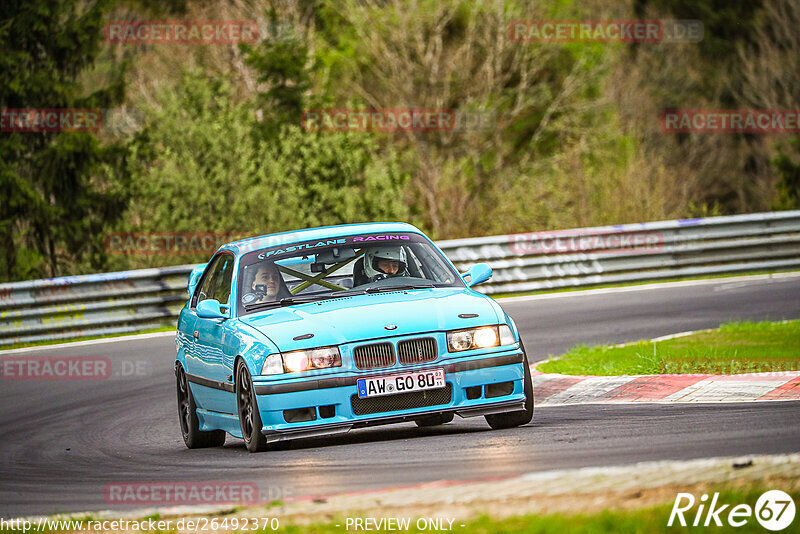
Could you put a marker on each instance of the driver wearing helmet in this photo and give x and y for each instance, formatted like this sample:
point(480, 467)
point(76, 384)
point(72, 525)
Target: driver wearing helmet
point(385, 262)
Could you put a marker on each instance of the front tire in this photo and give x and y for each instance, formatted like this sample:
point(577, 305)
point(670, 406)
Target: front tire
point(513, 419)
point(249, 416)
point(193, 437)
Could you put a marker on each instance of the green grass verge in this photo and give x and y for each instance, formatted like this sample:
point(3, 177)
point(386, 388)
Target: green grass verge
point(731, 349)
point(84, 338)
point(644, 521)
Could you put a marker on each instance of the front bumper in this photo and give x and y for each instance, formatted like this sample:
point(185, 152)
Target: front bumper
point(329, 400)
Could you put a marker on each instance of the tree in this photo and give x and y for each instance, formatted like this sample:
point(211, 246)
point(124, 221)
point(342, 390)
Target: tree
point(771, 80)
point(525, 104)
point(56, 187)
point(789, 171)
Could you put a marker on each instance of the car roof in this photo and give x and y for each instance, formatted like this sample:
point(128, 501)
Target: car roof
point(323, 232)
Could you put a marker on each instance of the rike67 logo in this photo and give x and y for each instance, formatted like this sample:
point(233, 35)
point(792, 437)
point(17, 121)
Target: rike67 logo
point(774, 510)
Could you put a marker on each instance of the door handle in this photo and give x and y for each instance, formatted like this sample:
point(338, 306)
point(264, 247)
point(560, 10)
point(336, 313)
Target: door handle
point(196, 334)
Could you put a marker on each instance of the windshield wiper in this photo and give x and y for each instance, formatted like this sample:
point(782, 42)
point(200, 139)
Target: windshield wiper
point(398, 288)
point(302, 299)
point(260, 305)
point(287, 301)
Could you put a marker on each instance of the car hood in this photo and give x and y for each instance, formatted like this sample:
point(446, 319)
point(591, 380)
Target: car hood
point(360, 317)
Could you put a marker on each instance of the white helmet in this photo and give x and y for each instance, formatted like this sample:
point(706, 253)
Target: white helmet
point(384, 253)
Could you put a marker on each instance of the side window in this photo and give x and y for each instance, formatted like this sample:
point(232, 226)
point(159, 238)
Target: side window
point(222, 292)
point(217, 282)
point(201, 292)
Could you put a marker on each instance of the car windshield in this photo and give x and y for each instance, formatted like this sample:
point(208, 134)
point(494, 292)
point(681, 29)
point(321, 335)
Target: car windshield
point(302, 272)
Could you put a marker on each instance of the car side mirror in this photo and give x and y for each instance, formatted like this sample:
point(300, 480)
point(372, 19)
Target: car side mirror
point(478, 274)
point(194, 277)
point(210, 309)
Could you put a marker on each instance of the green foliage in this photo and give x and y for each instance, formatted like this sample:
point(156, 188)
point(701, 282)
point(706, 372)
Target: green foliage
point(787, 163)
point(202, 165)
point(535, 101)
point(56, 191)
point(281, 64)
point(726, 22)
point(571, 139)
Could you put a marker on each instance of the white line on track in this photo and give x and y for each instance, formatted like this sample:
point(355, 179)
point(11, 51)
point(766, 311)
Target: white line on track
point(646, 287)
point(69, 344)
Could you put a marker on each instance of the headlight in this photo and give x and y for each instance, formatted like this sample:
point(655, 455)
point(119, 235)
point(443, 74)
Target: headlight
point(297, 361)
point(479, 338)
point(273, 365)
point(506, 337)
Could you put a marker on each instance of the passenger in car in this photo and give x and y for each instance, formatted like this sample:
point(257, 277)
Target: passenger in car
point(267, 285)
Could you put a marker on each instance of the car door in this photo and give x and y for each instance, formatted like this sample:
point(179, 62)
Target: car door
point(210, 361)
point(187, 334)
point(184, 335)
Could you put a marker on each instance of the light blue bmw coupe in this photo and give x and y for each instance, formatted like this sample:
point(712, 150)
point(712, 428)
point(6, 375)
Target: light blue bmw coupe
point(323, 330)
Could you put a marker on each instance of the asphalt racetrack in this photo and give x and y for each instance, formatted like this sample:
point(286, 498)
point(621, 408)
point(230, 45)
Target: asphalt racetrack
point(64, 441)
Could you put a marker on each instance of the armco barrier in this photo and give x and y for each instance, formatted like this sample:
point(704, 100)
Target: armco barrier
point(109, 303)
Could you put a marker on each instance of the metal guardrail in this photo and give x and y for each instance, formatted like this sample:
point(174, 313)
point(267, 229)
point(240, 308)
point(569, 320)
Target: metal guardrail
point(128, 301)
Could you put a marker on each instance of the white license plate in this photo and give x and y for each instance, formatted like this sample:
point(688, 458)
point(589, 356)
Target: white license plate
point(393, 384)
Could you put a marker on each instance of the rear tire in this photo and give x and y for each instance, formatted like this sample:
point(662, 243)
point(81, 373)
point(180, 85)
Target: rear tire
point(434, 420)
point(500, 421)
point(193, 437)
point(249, 416)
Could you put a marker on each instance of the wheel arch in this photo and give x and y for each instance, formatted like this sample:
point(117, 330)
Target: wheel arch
point(236, 360)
